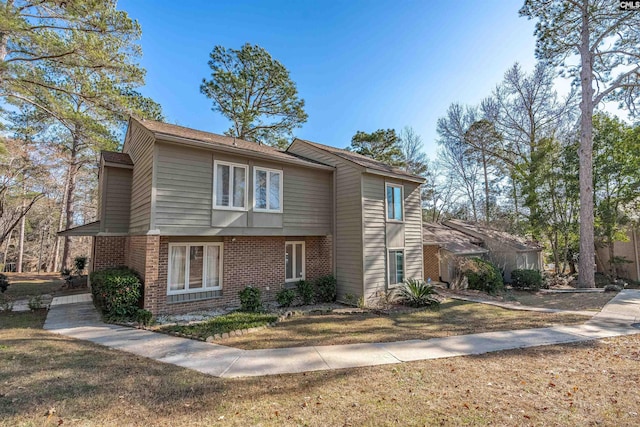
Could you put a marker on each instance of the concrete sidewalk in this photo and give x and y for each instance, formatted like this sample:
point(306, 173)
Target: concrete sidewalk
point(80, 320)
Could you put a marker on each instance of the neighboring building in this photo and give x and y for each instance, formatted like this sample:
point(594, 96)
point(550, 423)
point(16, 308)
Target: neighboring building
point(629, 250)
point(441, 247)
point(200, 216)
point(460, 238)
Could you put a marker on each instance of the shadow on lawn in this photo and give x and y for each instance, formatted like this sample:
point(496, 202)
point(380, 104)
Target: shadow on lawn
point(42, 371)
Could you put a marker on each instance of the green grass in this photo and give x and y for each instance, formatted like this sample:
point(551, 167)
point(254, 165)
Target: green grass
point(26, 289)
point(222, 324)
point(22, 320)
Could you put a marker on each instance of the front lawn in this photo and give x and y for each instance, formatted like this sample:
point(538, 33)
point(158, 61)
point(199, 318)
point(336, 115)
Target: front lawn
point(453, 318)
point(84, 384)
point(25, 286)
point(563, 301)
point(222, 324)
point(22, 320)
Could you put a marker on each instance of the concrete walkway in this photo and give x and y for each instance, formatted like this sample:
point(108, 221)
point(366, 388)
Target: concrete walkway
point(621, 316)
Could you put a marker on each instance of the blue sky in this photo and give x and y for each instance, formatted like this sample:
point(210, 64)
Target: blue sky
point(359, 65)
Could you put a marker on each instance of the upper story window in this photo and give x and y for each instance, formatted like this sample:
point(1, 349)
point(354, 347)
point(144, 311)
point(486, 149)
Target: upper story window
point(395, 208)
point(267, 190)
point(229, 185)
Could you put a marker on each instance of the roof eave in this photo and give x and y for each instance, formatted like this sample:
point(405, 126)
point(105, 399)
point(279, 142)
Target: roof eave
point(331, 153)
point(89, 229)
point(242, 151)
point(118, 165)
point(395, 175)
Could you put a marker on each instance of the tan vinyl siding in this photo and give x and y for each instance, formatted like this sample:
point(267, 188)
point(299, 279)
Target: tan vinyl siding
point(117, 199)
point(348, 217)
point(373, 204)
point(140, 149)
point(183, 186)
point(184, 196)
point(413, 232)
point(308, 199)
point(101, 200)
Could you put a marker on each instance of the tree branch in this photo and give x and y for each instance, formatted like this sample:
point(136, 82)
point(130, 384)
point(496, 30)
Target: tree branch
point(617, 83)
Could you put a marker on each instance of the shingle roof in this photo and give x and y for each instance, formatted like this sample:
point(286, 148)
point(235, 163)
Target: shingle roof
point(516, 242)
point(363, 161)
point(160, 129)
point(451, 240)
point(89, 229)
point(115, 157)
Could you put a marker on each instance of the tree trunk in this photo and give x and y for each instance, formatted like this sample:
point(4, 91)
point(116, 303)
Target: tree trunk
point(4, 36)
point(71, 188)
point(55, 256)
point(6, 251)
point(21, 241)
point(612, 264)
point(515, 199)
point(486, 188)
point(556, 253)
point(586, 269)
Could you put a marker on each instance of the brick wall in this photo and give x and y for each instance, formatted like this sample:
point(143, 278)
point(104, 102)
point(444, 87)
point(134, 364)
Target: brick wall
point(318, 257)
point(247, 260)
point(109, 252)
point(136, 254)
point(154, 290)
point(431, 262)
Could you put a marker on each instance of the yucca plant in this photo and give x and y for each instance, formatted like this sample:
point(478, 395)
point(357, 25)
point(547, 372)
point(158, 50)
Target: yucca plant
point(417, 293)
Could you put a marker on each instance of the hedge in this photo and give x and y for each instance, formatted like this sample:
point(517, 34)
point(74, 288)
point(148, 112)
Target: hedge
point(116, 292)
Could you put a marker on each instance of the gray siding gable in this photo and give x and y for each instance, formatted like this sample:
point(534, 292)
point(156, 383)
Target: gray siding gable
point(184, 181)
point(348, 239)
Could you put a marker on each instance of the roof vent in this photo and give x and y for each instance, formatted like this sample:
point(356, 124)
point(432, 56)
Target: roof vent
point(234, 141)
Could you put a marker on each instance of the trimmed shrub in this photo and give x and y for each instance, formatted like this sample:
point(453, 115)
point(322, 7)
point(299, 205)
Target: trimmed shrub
point(285, 297)
point(79, 263)
point(417, 293)
point(326, 289)
point(305, 292)
point(116, 292)
point(144, 317)
point(531, 279)
point(4, 282)
point(35, 303)
point(483, 275)
point(250, 299)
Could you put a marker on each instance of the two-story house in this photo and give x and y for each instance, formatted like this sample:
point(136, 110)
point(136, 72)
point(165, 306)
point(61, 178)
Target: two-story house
point(200, 216)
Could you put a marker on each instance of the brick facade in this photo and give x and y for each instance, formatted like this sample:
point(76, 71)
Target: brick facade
point(108, 252)
point(247, 260)
point(431, 262)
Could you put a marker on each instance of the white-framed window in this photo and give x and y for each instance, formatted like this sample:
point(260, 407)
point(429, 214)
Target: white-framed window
point(294, 261)
point(267, 189)
point(395, 208)
point(194, 267)
point(230, 185)
point(396, 266)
